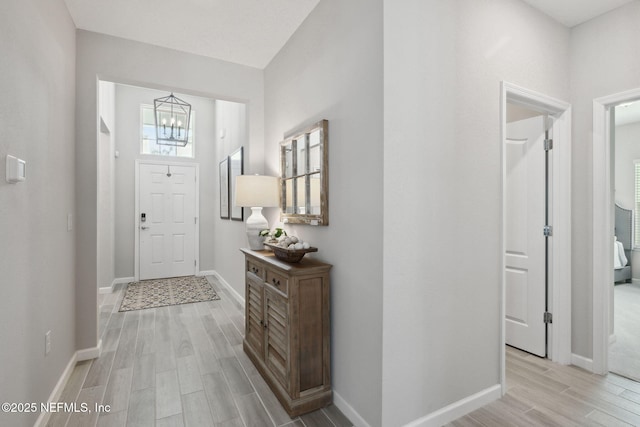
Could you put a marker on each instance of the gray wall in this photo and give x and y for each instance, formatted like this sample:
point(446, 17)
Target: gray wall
point(444, 61)
point(332, 69)
point(231, 117)
point(127, 101)
point(604, 61)
point(124, 61)
point(37, 112)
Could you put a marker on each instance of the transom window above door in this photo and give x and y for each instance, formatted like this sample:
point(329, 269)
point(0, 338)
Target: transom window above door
point(148, 143)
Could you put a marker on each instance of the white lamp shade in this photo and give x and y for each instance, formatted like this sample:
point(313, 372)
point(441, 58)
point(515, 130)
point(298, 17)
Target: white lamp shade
point(257, 190)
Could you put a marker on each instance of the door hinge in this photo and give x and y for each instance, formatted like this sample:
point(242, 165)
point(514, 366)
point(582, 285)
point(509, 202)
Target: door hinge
point(195, 219)
point(548, 144)
point(547, 231)
point(194, 263)
point(548, 317)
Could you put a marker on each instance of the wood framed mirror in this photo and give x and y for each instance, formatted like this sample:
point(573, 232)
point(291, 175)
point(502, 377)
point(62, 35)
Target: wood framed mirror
point(304, 159)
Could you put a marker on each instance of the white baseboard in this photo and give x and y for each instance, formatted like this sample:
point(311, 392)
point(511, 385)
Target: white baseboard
point(224, 283)
point(116, 281)
point(78, 356)
point(582, 362)
point(348, 411)
point(122, 280)
point(635, 281)
point(206, 273)
point(89, 353)
point(458, 409)
point(43, 418)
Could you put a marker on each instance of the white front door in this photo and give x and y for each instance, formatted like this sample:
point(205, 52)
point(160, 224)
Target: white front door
point(525, 256)
point(167, 220)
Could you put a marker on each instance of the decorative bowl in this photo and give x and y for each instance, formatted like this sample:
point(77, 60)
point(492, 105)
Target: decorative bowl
point(289, 255)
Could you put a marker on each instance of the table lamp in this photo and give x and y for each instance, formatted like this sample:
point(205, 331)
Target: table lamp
point(257, 192)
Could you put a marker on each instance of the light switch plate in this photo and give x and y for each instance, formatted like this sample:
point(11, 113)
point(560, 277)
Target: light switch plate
point(16, 170)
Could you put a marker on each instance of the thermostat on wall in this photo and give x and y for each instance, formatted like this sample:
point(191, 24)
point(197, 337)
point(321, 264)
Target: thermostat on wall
point(16, 169)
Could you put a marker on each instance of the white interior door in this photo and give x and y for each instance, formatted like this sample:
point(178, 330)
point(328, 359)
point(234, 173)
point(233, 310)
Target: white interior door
point(167, 198)
point(525, 255)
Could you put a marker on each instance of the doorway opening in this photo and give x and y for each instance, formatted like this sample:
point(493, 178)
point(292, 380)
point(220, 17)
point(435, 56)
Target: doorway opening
point(624, 346)
point(616, 297)
point(556, 341)
point(122, 137)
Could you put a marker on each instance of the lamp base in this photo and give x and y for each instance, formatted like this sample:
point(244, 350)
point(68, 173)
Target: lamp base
point(255, 224)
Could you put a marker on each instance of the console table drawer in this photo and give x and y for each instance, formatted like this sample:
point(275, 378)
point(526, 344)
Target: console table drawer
point(256, 268)
point(278, 281)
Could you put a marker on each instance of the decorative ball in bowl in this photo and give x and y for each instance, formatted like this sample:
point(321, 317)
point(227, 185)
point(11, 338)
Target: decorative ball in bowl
point(289, 255)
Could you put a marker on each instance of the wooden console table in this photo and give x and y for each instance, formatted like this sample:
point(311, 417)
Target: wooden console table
point(287, 328)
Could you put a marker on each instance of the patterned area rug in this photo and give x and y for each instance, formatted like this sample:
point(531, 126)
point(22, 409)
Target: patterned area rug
point(163, 292)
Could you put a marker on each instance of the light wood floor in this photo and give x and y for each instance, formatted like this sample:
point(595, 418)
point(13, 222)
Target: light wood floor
point(624, 353)
point(542, 393)
point(184, 366)
point(177, 366)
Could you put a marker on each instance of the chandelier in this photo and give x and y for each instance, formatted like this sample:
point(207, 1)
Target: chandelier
point(172, 116)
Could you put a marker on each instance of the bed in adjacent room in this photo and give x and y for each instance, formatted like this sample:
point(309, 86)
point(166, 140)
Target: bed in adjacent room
point(622, 244)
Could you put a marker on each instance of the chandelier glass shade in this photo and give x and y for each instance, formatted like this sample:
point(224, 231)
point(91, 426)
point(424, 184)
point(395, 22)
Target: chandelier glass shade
point(172, 117)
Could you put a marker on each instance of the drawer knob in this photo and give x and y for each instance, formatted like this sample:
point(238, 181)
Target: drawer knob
point(275, 282)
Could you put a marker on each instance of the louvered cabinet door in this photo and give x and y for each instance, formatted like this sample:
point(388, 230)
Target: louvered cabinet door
point(277, 335)
point(254, 323)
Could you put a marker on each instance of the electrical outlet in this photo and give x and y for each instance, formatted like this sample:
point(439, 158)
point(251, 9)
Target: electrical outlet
point(47, 343)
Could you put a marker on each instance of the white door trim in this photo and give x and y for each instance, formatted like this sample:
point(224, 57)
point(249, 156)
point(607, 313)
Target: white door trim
point(602, 225)
point(560, 269)
point(136, 254)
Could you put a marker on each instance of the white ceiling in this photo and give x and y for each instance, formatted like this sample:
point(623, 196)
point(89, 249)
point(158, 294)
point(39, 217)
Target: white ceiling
point(249, 32)
point(574, 12)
